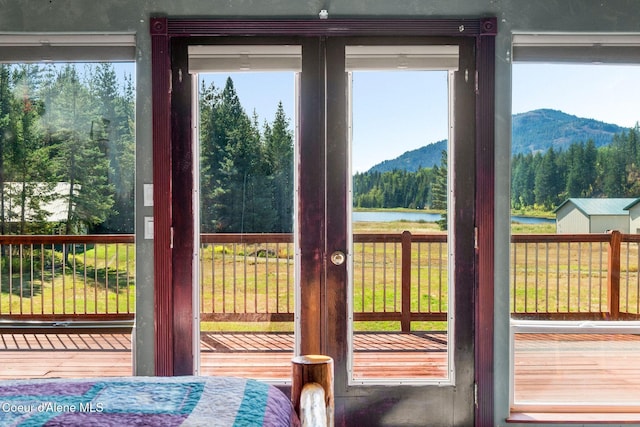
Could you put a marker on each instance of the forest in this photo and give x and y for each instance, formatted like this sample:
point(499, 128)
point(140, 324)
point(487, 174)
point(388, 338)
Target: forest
point(71, 124)
point(544, 180)
point(246, 169)
point(75, 124)
point(539, 181)
point(424, 188)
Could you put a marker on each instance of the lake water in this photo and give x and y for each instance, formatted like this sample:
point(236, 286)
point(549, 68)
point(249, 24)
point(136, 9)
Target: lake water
point(381, 216)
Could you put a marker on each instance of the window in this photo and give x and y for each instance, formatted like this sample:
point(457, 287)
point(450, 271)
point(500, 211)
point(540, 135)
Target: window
point(563, 355)
point(67, 167)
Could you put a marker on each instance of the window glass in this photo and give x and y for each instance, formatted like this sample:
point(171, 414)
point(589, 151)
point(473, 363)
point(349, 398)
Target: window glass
point(247, 127)
point(67, 177)
point(401, 311)
point(574, 252)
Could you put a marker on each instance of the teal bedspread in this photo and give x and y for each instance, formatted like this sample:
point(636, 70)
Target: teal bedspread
point(144, 401)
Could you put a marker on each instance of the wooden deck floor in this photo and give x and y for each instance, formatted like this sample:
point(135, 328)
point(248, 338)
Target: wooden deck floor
point(263, 356)
point(547, 369)
point(578, 369)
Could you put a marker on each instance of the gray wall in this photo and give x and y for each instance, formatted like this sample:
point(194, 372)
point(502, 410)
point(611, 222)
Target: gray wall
point(634, 219)
point(513, 15)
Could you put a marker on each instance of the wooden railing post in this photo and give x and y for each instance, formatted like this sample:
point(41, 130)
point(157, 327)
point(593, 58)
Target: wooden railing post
point(405, 320)
point(613, 282)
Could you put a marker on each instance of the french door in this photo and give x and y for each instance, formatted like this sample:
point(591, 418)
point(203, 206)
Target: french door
point(326, 69)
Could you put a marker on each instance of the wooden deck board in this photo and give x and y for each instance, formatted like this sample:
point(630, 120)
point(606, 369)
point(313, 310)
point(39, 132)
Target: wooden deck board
point(577, 369)
point(609, 373)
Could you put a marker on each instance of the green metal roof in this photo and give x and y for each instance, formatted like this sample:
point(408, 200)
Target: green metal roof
point(592, 207)
point(632, 204)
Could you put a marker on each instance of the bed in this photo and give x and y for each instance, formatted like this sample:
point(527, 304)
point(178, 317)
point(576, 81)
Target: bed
point(145, 401)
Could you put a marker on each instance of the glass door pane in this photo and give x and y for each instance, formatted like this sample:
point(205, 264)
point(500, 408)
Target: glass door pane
point(401, 289)
point(247, 116)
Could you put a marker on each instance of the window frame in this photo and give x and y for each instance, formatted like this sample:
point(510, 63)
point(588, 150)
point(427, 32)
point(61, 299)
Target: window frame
point(569, 48)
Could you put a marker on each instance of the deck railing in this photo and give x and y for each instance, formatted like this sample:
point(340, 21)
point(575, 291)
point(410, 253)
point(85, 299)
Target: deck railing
point(51, 278)
point(575, 277)
point(397, 277)
point(250, 277)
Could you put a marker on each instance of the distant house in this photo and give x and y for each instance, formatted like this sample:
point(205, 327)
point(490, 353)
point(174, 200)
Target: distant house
point(575, 216)
point(53, 201)
point(634, 216)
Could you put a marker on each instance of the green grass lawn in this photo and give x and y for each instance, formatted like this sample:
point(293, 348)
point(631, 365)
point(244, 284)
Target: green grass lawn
point(233, 283)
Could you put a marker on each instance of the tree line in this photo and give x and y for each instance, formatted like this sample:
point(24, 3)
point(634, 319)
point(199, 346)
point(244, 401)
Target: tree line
point(246, 170)
point(545, 180)
point(71, 124)
point(424, 188)
point(541, 180)
point(75, 125)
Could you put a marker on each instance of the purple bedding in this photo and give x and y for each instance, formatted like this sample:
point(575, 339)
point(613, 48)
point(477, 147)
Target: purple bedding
point(144, 401)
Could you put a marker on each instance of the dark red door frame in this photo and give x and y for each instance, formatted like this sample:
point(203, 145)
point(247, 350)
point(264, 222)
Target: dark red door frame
point(171, 174)
point(485, 198)
point(162, 197)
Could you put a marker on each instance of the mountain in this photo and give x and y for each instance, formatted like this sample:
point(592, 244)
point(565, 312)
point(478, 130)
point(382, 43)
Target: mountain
point(534, 131)
point(423, 157)
point(539, 130)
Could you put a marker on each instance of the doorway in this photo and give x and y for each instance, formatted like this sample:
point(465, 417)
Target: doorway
point(322, 232)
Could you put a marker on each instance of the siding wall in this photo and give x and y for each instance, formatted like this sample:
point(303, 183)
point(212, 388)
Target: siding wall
point(602, 223)
point(571, 220)
point(634, 219)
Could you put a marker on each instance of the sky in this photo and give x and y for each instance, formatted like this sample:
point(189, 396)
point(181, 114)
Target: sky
point(609, 93)
point(398, 111)
point(393, 111)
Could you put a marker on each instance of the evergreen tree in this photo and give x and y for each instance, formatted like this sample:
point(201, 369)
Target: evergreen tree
point(522, 181)
point(210, 157)
point(279, 157)
point(7, 135)
point(590, 171)
point(27, 168)
point(77, 159)
point(548, 184)
point(439, 190)
point(613, 163)
point(234, 165)
point(112, 130)
point(576, 181)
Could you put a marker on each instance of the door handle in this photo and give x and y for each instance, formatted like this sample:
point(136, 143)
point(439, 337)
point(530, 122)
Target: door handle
point(338, 258)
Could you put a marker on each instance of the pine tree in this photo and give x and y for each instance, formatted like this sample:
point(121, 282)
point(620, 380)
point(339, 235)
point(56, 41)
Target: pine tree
point(613, 163)
point(279, 156)
point(112, 131)
point(439, 192)
point(576, 183)
point(28, 168)
point(590, 172)
point(209, 153)
point(77, 158)
point(234, 168)
point(6, 136)
point(548, 184)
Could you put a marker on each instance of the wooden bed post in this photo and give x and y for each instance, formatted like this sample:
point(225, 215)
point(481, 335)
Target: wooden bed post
point(312, 378)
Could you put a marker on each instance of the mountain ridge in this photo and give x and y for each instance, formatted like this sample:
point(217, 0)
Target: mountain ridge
point(533, 131)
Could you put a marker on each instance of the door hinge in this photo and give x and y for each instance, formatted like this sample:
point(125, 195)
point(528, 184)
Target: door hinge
point(475, 394)
point(477, 84)
point(475, 237)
